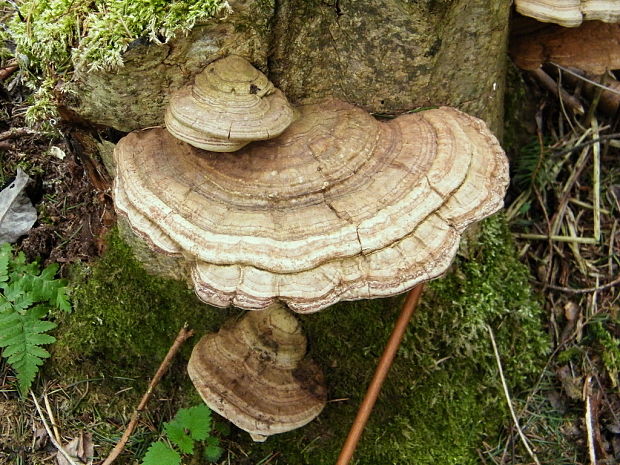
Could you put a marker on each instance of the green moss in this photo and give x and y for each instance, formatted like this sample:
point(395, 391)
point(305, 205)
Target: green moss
point(57, 33)
point(126, 317)
point(53, 37)
point(610, 349)
point(440, 401)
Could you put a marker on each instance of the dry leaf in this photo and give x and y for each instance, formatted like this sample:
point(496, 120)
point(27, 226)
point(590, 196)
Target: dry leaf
point(571, 384)
point(40, 436)
point(57, 152)
point(80, 449)
point(571, 310)
point(17, 215)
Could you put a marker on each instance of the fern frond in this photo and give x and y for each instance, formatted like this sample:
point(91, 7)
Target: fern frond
point(21, 336)
point(43, 287)
point(5, 257)
point(22, 328)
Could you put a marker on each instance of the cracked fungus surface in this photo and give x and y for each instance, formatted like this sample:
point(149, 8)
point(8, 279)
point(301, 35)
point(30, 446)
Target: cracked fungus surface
point(339, 207)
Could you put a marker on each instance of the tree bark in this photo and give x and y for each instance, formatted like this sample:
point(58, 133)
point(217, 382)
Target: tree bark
point(387, 56)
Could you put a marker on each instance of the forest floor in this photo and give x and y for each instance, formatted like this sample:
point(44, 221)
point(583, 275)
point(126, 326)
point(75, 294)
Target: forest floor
point(566, 184)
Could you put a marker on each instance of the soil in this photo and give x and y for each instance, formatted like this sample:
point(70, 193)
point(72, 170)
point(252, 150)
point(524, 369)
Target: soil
point(70, 188)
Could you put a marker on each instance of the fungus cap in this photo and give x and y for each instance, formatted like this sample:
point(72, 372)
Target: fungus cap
point(339, 207)
point(254, 373)
point(570, 13)
point(230, 104)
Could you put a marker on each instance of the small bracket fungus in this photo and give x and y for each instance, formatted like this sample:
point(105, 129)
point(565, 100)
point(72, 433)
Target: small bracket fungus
point(230, 104)
point(254, 373)
point(570, 13)
point(338, 207)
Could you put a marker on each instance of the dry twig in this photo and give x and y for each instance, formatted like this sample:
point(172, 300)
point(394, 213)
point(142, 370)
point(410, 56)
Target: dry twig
point(50, 413)
point(553, 86)
point(507, 394)
point(183, 335)
point(570, 290)
point(7, 71)
point(49, 432)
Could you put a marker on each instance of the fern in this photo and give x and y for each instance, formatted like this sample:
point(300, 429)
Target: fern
point(189, 426)
point(27, 294)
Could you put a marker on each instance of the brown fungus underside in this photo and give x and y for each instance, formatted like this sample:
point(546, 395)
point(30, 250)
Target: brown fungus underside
point(339, 207)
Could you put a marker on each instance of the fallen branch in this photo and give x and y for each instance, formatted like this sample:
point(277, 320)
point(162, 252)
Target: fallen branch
point(16, 132)
point(183, 335)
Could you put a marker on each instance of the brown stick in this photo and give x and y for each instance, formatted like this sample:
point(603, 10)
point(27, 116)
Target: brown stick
point(16, 132)
point(6, 72)
point(553, 86)
point(380, 373)
point(587, 290)
point(183, 335)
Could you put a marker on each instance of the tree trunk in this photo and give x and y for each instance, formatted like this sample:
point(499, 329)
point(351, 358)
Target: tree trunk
point(387, 56)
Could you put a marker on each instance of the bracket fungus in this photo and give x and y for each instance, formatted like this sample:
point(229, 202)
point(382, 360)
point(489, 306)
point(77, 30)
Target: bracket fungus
point(591, 47)
point(229, 105)
point(339, 207)
point(254, 373)
point(570, 13)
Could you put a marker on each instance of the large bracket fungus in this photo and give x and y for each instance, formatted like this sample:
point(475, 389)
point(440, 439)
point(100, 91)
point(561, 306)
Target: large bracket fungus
point(340, 206)
point(229, 105)
point(254, 373)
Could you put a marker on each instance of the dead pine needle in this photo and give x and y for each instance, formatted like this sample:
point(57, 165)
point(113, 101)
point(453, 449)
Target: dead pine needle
point(587, 395)
point(507, 394)
point(183, 335)
point(56, 444)
point(50, 413)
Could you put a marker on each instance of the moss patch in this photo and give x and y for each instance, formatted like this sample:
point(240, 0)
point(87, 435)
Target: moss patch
point(436, 404)
point(52, 37)
point(59, 33)
point(124, 320)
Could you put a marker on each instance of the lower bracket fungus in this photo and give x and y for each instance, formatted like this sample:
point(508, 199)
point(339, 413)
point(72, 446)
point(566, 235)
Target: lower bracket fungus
point(254, 373)
point(338, 207)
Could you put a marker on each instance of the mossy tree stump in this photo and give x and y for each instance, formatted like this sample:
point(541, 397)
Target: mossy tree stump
point(387, 56)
